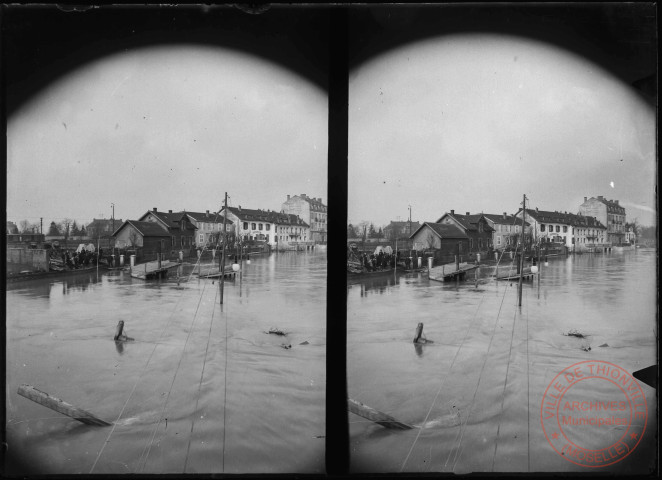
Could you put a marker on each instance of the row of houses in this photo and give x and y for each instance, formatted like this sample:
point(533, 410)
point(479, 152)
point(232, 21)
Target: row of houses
point(160, 231)
point(600, 223)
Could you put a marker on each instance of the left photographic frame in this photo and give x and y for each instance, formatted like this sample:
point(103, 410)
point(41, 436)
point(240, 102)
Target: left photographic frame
point(167, 192)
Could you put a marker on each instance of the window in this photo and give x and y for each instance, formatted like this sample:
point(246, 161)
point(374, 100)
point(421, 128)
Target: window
point(565, 229)
point(558, 229)
point(268, 227)
point(252, 226)
point(499, 240)
point(245, 225)
point(201, 238)
point(260, 226)
point(542, 227)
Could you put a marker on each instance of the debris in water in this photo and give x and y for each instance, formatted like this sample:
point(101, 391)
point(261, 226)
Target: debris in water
point(604, 345)
point(304, 343)
point(286, 346)
point(586, 348)
point(575, 333)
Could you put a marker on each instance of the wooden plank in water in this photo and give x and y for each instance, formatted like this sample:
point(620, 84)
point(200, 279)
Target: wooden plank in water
point(60, 406)
point(376, 416)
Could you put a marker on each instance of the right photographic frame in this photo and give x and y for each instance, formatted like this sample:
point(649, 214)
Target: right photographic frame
point(502, 238)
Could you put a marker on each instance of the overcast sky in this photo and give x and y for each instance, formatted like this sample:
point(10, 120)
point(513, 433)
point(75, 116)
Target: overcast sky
point(169, 127)
point(472, 122)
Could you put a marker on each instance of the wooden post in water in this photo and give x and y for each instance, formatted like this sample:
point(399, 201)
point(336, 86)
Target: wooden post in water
point(419, 333)
point(376, 416)
point(457, 256)
point(521, 260)
point(223, 251)
point(118, 331)
point(60, 406)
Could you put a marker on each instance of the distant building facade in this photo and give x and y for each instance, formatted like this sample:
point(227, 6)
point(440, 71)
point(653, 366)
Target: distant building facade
point(400, 230)
point(576, 232)
point(443, 237)
point(102, 227)
point(312, 211)
point(507, 228)
point(209, 228)
point(178, 225)
point(277, 229)
point(609, 213)
point(476, 227)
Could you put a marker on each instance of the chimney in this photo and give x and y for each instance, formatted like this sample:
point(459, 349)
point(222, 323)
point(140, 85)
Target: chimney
point(600, 197)
point(616, 202)
point(239, 208)
point(452, 212)
point(536, 209)
point(505, 216)
point(154, 209)
point(468, 214)
point(169, 211)
point(303, 195)
point(288, 197)
point(207, 212)
point(585, 199)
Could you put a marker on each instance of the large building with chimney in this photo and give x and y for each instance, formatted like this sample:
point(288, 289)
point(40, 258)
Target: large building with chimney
point(609, 213)
point(312, 211)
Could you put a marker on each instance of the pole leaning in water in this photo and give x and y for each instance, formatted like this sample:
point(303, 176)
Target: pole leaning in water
point(521, 267)
point(225, 216)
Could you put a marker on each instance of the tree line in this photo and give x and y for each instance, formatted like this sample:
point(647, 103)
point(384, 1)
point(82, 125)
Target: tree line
point(67, 228)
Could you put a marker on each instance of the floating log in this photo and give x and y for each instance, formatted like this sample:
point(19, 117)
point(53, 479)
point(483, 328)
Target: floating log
point(376, 416)
point(60, 406)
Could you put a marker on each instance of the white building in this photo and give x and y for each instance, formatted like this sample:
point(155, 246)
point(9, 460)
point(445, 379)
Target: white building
point(312, 211)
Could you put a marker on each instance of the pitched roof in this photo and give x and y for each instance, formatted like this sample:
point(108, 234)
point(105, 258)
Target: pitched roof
point(468, 222)
point(210, 217)
point(566, 218)
point(400, 224)
point(509, 220)
point(146, 229)
point(270, 216)
point(442, 230)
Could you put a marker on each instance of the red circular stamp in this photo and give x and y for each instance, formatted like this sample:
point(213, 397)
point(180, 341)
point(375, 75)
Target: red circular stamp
point(594, 413)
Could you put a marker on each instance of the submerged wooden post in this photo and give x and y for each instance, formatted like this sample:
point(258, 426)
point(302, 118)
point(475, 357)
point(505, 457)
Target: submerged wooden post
point(60, 406)
point(118, 332)
point(419, 333)
point(376, 416)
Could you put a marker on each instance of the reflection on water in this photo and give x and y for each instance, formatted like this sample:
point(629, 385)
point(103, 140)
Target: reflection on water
point(201, 388)
point(475, 392)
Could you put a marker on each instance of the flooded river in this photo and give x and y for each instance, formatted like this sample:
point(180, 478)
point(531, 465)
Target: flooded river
point(474, 395)
point(201, 387)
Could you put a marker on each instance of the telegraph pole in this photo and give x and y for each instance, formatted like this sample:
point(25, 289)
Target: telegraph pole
point(41, 225)
point(410, 220)
point(521, 265)
point(225, 216)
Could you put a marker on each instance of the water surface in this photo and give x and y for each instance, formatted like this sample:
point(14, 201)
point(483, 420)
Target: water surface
point(201, 388)
point(474, 395)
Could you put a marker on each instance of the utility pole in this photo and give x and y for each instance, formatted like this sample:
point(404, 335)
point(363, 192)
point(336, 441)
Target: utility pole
point(41, 225)
point(410, 220)
point(225, 216)
point(113, 205)
point(521, 265)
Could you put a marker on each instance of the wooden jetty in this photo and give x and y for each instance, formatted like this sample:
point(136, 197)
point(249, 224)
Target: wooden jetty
point(451, 271)
point(151, 270)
